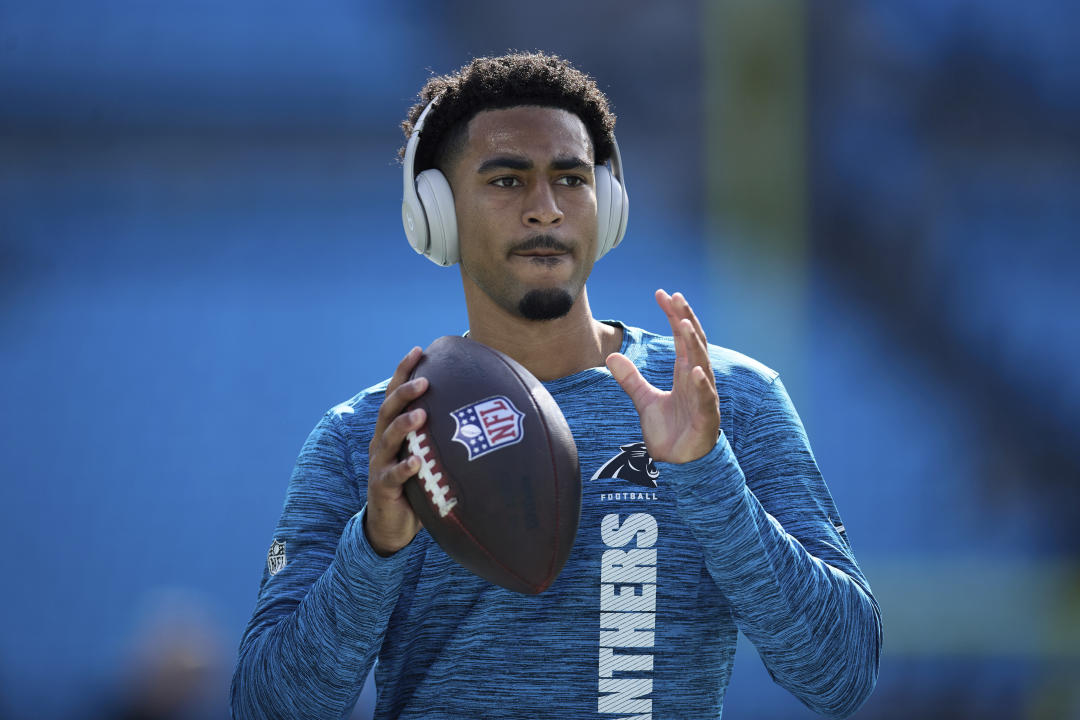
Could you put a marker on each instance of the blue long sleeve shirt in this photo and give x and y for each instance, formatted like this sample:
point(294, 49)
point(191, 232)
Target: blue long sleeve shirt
point(670, 562)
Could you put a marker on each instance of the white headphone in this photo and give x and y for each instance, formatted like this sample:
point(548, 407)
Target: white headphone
point(427, 209)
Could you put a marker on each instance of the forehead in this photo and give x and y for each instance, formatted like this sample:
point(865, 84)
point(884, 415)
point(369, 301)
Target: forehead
point(543, 132)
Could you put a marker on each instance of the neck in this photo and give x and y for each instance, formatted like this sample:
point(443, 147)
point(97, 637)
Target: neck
point(549, 349)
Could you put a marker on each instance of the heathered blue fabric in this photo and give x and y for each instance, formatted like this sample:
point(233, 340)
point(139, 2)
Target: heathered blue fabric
point(641, 623)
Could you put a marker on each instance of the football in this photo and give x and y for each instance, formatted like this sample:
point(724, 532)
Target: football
point(499, 486)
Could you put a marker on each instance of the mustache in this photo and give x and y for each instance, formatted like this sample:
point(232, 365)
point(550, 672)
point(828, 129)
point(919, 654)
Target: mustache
point(541, 242)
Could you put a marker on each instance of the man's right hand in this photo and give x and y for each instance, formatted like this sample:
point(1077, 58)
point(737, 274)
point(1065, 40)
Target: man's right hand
point(390, 523)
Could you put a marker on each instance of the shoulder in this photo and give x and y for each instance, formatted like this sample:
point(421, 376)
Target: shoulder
point(363, 403)
point(354, 418)
point(742, 376)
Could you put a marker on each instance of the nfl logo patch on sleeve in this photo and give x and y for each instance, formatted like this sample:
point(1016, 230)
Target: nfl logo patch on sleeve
point(275, 559)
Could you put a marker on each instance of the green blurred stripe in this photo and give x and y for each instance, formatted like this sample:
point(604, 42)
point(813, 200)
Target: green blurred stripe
point(756, 185)
point(982, 606)
point(755, 59)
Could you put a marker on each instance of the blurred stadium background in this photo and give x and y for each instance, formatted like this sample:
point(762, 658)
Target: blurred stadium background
point(200, 252)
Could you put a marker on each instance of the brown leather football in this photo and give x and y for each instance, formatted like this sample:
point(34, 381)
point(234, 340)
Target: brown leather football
point(500, 487)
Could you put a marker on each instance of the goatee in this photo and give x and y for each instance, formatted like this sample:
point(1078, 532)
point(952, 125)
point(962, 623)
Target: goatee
point(546, 304)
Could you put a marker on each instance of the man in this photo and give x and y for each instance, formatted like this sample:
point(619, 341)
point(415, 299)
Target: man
point(713, 517)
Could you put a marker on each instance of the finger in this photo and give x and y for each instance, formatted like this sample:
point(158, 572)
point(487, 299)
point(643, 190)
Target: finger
point(698, 348)
point(404, 369)
point(395, 434)
point(678, 309)
point(400, 376)
point(705, 383)
point(396, 401)
point(630, 380)
point(682, 307)
point(666, 305)
point(697, 352)
point(396, 475)
point(695, 349)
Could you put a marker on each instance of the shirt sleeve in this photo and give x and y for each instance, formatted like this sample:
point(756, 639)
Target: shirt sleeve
point(775, 546)
point(320, 617)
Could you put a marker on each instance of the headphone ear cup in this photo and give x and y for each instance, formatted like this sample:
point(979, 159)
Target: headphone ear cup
point(607, 221)
point(624, 212)
point(415, 222)
point(438, 201)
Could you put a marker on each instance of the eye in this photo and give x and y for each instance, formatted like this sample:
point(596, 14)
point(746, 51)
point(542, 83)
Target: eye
point(506, 181)
point(571, 180)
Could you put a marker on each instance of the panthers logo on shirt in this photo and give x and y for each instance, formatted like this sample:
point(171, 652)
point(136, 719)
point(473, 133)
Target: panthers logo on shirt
point(633, 464)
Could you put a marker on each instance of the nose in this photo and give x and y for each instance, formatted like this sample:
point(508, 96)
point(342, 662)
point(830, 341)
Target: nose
point(541, 207)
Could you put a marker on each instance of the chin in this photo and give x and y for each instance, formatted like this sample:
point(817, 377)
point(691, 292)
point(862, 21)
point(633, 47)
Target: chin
point(546, 304)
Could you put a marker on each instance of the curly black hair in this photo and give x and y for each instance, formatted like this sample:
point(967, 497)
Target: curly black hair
point(511, 80)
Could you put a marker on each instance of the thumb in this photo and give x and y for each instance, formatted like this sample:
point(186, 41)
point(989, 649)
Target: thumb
point(630, 379)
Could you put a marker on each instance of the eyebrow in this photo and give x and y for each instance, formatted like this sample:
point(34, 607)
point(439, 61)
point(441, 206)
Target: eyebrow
point(510, 162)
point(516, 162)
point(569, 163)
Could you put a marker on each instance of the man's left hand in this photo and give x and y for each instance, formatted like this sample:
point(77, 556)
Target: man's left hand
point(681, 424)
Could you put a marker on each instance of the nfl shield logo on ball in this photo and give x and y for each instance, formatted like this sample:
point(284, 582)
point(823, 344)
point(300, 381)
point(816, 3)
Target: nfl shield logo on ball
point(486, 426)
point(275, 559)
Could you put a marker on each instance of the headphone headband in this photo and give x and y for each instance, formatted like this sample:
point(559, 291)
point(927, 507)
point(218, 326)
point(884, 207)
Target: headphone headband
point(413, 216)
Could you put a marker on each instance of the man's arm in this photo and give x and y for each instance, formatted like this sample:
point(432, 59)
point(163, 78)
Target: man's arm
point(769, 530)
point(319, 620)
point(325, 602)
point(770, 535)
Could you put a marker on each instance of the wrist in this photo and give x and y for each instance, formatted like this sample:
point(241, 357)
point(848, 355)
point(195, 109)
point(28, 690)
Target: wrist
point(716, 474)
point(377, 542)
